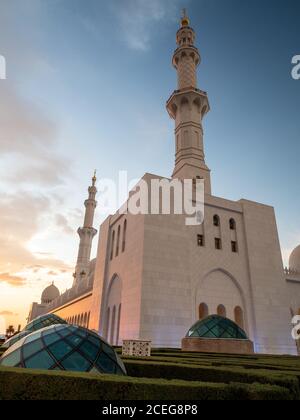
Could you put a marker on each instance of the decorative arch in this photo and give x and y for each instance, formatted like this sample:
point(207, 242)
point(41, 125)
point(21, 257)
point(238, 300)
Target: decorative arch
point(124, 235)
point(112, 326)
point(203, 311)
point(239, 316)
point(184, 101)
point(221, 311)
point(232, 294)
point(85, 320)
point(118, 240)
point(204, 111)
point(216, 220)
point(113, 314)
point(112, 244)
point(197, 103)
point(232, 224)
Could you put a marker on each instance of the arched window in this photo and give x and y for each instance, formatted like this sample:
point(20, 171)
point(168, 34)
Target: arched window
point(203, 311)
point(85, 320)
point(112, 328)
point(239, 316)
point(221, 311)
point(107, 323)
point(118, 324)
point(232, 224)
point(118, 240)
point(112, 245)
point(88, 320)
point(124, 236)
point(216, 220)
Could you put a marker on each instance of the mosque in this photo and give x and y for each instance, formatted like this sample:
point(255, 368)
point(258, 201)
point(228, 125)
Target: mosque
point(154, 276)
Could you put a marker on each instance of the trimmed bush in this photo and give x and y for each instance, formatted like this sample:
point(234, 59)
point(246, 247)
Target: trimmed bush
point(25, 384)
point(212, 374)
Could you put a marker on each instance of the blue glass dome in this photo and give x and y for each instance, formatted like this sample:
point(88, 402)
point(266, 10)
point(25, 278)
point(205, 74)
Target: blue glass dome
point(64, 347)
point(44, 321)
point(11, 341)
point(216, 326)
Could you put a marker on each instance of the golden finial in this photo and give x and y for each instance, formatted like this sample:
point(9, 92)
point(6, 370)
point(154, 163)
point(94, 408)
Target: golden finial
point(94, 179)
point(185, 21)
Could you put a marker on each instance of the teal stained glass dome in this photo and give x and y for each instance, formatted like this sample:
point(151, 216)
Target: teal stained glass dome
point(216, 326)
point(64, 347)
point(11, 341)
point(44, 321)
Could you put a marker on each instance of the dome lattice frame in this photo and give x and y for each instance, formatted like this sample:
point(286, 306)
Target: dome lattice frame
point(216, 327)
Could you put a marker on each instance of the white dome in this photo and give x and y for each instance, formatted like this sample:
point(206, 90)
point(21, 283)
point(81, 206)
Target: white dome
point(295, 259)
point(50, 293)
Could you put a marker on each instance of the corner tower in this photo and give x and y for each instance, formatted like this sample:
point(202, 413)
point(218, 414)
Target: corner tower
point(86, 234)
point(187, 106)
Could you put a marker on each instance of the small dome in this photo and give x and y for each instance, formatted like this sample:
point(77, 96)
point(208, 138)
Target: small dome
point(64, 347)
point(295, 259)
point(49, 294)
point(216, 326)
point(44, 321)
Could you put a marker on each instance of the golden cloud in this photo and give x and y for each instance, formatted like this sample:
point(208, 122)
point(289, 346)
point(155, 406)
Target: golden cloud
point(8, 313)
point(12, 280)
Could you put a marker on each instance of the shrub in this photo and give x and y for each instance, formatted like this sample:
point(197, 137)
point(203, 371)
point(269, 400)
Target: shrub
point(24, 384)
point(212, 374)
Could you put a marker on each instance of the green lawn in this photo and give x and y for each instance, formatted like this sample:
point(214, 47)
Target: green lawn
point(167, 375)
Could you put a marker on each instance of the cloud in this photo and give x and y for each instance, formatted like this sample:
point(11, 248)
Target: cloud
point(20, 221)
point(29, 138)
point(62, 222)
point(52, 273)
point(12, 280)
point(8, 313)
point(23, 126)
point(138, 18)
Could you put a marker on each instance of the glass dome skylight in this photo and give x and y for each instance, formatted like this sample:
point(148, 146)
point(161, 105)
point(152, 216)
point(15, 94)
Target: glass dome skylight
point(11, 341)
point(64, 347)
point(44, 321)
point(216, 326)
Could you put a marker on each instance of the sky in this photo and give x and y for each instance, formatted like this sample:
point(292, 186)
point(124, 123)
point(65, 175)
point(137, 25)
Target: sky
point(87, 83)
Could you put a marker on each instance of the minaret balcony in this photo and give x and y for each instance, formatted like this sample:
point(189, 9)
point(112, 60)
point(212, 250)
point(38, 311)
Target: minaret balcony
point(192, 96)
point(186, 51)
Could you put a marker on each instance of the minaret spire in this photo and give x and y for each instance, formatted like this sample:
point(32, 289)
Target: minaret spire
point(187, 106)
point(86, 234)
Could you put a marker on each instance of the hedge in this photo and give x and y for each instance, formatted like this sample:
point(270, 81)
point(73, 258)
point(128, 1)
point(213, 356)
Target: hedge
point(275, 363)
point(212, 374)
point(25, 384)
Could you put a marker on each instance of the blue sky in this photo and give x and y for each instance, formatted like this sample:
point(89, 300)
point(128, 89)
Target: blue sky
point(87, 82)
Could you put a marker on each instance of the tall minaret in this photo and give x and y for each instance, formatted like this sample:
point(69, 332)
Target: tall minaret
point(187, 106)
point(86, 234)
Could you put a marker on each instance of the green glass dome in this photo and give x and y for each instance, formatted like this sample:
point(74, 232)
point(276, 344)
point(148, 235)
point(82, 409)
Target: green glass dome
point(44, 321)
point(64, 347)
point(216, 326)
point(11, 341)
